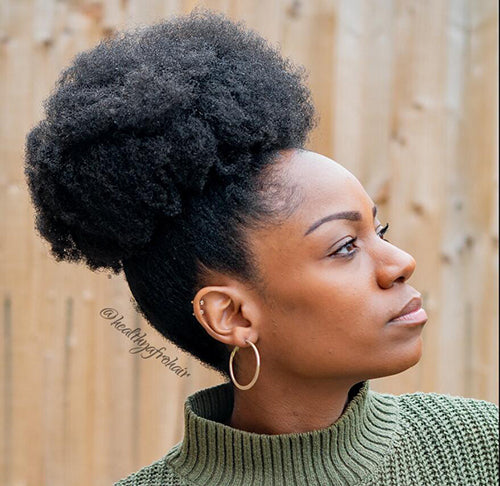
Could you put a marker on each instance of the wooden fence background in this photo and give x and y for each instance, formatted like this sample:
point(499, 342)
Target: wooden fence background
point(407, 92)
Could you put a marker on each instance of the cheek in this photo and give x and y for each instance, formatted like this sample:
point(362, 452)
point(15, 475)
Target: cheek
point(345, 292)
point(340, 300)
point(319, 302)
point(322, 309)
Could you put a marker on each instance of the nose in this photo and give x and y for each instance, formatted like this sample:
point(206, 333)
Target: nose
point(393, 265)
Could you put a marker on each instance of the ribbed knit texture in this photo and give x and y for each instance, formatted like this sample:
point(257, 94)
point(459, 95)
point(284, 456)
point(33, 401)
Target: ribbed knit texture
point(381, 439)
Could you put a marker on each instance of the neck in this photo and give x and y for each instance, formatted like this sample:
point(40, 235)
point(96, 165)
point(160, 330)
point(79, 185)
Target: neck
point(344, 453)
point(274, 406)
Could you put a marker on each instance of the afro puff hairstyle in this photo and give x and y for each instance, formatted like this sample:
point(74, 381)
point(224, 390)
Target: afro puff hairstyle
point(151, 157)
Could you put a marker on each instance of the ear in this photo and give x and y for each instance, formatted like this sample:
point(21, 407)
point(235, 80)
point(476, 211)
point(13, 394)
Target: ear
point(226, 314)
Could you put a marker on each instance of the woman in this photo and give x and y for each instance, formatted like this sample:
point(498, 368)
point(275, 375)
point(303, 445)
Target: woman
point(177, 153)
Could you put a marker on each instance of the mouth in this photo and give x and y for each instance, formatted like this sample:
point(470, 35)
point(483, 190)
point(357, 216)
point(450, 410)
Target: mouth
point(411, 314)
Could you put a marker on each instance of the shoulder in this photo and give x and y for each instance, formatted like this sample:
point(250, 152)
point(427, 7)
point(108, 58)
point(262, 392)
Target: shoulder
point(442, 439)
point(452, 412)
point(158, 473)
point(465, 427)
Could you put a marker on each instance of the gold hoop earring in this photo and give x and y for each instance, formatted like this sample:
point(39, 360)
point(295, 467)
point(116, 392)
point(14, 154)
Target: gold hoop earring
point(257, 371)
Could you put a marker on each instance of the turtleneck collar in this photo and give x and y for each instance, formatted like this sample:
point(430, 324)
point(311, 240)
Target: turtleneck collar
point(212, 453)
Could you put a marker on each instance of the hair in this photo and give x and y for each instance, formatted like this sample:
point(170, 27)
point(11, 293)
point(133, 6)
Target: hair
point(155, 157)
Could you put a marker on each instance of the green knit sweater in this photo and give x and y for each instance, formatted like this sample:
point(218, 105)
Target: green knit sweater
point(381, 439)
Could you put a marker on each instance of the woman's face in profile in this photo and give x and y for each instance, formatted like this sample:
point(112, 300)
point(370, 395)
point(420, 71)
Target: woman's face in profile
point(333, 286)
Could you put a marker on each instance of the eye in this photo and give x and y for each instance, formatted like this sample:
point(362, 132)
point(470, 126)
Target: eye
point(382, 232)
point(348, 249)
point(347, 245)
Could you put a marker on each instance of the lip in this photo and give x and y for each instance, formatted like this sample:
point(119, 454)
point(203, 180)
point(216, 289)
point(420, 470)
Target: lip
point(411, 314)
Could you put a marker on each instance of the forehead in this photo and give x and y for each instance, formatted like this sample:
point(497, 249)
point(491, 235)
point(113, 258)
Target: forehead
point(325, 187)
point(324, 184)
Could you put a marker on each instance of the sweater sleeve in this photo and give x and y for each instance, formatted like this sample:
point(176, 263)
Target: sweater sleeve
point(458, 436)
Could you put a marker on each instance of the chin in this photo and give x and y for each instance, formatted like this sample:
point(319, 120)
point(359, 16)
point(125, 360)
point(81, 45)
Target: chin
point(410, 355)
point(401, 358)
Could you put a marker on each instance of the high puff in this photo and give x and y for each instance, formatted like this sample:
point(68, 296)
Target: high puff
point(150, 159)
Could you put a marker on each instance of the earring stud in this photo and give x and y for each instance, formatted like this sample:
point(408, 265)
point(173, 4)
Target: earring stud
point(201, 303)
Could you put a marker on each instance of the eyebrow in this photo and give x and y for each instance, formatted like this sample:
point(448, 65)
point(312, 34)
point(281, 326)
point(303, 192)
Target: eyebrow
point(350, 215)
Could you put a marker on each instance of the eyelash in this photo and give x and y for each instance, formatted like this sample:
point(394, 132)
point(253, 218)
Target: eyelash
point(351, 241)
